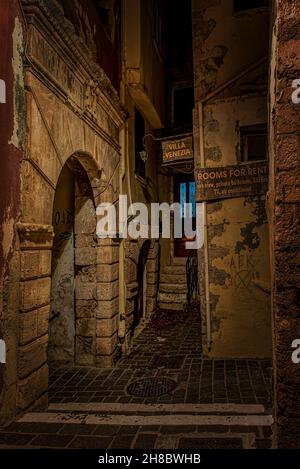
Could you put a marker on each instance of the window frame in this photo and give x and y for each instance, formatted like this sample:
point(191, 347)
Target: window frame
point(240, 10)
point(248, 131)
point(139, 146)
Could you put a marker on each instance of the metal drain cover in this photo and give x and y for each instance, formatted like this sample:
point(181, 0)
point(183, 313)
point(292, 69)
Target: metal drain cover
point(151, 387)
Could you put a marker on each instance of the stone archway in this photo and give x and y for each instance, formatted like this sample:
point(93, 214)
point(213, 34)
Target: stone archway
point(95, 284)
point(140, 309)
point(70, 109)
point(72, 322)
point(141, 253)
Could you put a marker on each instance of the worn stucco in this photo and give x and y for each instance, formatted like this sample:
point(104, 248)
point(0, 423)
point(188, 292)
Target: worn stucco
point(225, 46)
point(62, 319)
point(284, 211)
point(12, 118)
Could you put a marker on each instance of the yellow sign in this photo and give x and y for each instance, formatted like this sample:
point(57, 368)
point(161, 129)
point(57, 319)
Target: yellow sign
point(232, 181)
point(177, 150)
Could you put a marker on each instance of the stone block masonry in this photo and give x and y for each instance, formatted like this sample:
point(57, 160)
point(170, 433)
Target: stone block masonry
point(284, 207)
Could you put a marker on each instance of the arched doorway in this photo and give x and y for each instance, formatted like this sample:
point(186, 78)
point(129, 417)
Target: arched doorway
point(62, 314)
point(141, 300)
point(72, 322)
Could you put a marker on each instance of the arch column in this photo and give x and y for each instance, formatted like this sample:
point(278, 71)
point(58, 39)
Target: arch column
point(35, 284)
point(107, 312)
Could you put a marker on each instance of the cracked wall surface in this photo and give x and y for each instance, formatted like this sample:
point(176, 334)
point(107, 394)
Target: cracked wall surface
point(63, 108)
point(284, 207)
point(225, 48)
point(12, 119)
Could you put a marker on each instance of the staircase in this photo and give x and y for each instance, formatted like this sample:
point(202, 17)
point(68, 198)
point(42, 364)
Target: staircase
point(173, 287)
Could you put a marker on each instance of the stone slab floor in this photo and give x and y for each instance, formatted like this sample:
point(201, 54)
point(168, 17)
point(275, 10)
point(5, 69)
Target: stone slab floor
point(209, 404)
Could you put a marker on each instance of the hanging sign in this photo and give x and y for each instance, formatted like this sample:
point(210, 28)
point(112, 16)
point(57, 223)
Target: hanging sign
point(232, 181)
point(174, 151)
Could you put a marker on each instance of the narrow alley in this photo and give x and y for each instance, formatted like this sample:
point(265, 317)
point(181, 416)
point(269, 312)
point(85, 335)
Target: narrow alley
point(149, 235)
point(162, 395)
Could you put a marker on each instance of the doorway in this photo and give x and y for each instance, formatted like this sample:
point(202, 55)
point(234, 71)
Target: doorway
point(62, 314)
point(141, 302)
point(72, 321)
point(184, 192)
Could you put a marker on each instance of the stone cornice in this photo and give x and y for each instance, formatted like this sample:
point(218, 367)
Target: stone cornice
point(47, 17)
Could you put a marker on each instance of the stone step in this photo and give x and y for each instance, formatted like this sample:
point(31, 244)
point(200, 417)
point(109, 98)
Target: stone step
point(172, 288)
point(179, 261)
point(174, 270)
point(137, 420)
point(170, 306)
point(160, 408)
point(172, 297)
point(173, 278)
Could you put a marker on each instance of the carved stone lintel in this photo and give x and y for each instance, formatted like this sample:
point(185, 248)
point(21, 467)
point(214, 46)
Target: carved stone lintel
point(48, 15)
point(33, 236)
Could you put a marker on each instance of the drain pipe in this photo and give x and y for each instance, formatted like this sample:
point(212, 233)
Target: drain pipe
point(122, 286)
point(122, 283)
point(124, 165)
point(205, 247)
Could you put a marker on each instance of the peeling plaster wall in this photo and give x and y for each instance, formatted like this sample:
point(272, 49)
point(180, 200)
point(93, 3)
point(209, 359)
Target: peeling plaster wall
point(284, 204)
point(102, 39)
point(12, 125)
point(74, 112)
point(238, 241)
point(225, 44)
point(238, 253)
point(143, 64)
point(62, 326)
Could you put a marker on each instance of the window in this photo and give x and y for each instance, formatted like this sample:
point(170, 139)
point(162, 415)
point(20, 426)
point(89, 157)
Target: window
point(139, 144)
point(253, 143)
point(183, 102)
point(241, 5)
point(158, 29)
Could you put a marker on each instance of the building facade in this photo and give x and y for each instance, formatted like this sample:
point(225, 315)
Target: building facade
point(92, 94)
point(230, 131)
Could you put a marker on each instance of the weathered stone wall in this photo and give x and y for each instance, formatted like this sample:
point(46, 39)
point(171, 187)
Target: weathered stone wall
point(143, 89)
point(72, 114)
point(225, 44)
point(133, 250)
point(230, 70)
point(12, 126)
point(62, 319)
point(285, 215)
point(238, 244)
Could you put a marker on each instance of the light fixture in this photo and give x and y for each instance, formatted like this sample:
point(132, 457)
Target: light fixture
point(144, 155)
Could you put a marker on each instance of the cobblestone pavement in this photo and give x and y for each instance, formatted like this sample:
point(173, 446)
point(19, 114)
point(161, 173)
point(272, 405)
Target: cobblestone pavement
point(64, 435)
point(212, 404)
point(167, 348)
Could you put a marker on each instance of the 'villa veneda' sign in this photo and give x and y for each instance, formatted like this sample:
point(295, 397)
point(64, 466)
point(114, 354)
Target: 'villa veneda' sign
point(232, 181)
point(174, 151)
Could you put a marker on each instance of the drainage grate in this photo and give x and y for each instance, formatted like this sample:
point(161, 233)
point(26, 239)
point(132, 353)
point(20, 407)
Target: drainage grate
point(151, 387)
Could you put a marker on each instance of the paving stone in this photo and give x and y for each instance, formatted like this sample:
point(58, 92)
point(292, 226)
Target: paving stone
point(122, 442)
point(33, 427)
point(129, 429)
point(244, 429)
point(145, 441)
point(77, 429)
point(213, 428)
point(52, 441)
point(90, 442)
point(178, 429)
point(263, 444)
point(106, 430)
point(15, 439)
